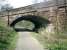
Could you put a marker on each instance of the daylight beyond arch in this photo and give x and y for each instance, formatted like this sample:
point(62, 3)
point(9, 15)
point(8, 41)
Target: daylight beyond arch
point(36, 20)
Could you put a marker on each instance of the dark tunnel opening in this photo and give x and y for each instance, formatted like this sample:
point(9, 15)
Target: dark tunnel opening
point(36, 20)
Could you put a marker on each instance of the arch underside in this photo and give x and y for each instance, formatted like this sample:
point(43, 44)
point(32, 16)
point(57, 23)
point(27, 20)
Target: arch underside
point(36, 20)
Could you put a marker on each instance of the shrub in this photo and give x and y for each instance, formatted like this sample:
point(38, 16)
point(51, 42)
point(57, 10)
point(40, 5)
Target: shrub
point(7, 37)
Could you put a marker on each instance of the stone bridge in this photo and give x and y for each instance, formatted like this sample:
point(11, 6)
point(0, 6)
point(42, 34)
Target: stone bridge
point(52, 11)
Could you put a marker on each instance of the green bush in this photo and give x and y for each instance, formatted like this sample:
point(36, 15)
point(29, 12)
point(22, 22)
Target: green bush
point(55, 41)
point(8, 37)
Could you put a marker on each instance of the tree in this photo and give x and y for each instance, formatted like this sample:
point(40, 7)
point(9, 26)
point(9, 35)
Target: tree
point(4, 5)
point(2, 2)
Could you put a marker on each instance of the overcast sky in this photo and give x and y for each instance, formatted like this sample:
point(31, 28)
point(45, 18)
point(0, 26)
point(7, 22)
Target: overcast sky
point(21, 3)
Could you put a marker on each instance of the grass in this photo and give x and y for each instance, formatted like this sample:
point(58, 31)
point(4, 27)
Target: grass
point(8, 37)
point(52, 41)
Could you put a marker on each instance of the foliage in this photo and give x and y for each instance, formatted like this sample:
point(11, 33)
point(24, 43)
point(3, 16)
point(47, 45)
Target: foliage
point(7, 37)
point(4, 6)
point(52, 41)
point(25, 24)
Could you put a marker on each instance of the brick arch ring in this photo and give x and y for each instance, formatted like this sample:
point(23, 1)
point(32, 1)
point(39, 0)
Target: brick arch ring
point(36, 20)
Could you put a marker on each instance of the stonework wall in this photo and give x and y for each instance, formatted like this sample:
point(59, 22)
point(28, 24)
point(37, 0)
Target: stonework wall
point(48, 10)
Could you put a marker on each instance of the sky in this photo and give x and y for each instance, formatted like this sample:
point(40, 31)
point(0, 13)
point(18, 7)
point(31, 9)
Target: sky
point(21, 3)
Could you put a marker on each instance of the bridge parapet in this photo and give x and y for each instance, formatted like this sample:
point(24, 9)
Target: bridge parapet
point(49, 10)
point(38, 7)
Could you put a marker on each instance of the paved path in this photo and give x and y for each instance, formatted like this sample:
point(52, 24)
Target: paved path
point(27, 42)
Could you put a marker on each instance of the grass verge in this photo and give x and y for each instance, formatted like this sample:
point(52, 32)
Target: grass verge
point(8, 37)
point(52, 41)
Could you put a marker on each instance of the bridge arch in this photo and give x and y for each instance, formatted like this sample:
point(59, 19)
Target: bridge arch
point(36, 20)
